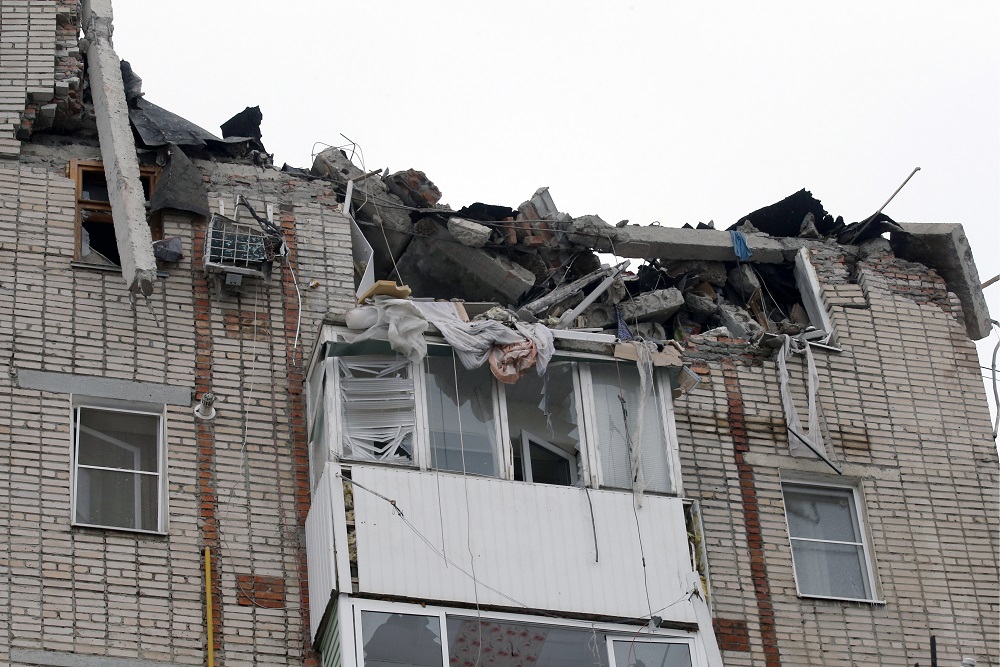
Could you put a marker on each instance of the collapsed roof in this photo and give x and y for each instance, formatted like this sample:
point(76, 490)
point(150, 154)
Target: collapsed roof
point(544, 264)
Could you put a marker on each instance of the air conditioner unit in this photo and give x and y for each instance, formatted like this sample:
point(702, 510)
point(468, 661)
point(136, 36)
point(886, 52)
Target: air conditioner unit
point(240, 249)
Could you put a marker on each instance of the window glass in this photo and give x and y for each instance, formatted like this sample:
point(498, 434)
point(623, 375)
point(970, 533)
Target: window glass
point(400, 640)
point(651, 654)
point(462, 427)
point(117, 481)
point(513, 644)
point(827, 544)
point(377, 408)
point(615, 433)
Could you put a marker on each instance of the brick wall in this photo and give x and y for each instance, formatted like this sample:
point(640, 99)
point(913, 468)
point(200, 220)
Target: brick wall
point(238, 484)
point(909, 422)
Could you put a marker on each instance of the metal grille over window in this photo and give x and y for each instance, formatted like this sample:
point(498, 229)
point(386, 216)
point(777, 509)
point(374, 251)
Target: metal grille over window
point(238, 247)
point(379, 409)
point(117, 469)
point(827, 542)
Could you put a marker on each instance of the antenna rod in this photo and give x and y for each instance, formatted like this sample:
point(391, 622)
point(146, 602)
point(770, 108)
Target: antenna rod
point(895, 193)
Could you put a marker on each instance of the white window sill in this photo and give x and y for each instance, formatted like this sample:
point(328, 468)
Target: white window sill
point(830, 598)
point(119, 529)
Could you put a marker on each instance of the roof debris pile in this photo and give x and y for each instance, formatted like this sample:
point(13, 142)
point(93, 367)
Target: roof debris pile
point(543, 264)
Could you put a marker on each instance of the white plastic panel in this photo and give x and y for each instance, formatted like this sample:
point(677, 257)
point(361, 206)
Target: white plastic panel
point(320, 552)
point(533, 543)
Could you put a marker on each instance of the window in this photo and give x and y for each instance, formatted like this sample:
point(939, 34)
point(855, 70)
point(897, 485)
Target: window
point(397, 634)
point(117, 468)
point(829, 553)
point(94, 230)
point(566, 427)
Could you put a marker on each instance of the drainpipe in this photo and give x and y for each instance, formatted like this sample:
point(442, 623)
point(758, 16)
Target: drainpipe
point(121, 168)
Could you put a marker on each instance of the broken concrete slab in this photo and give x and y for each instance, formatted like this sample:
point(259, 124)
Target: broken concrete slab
point(121, 167)
point(699, 305)
point(738, 321)
point(468, 232)
point(436, 266)
point(656, 306)
point(945, 248)
point(678, 243)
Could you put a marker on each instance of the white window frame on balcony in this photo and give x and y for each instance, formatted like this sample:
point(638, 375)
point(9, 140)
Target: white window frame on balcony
point(80, 404)
point(527, 439)
point(614, 633)
point(860, 525)
point(330, 441)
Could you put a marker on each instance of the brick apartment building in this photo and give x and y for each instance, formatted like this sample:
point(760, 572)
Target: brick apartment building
point(797, 470)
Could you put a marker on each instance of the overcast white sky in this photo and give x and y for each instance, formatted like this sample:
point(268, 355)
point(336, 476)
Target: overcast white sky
point(651, 111)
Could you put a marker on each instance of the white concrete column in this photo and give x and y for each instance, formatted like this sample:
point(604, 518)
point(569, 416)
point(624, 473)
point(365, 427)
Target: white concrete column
point(121, 168)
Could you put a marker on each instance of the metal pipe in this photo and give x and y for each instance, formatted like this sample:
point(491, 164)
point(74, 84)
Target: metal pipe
point(208, 608)
point(897, 191)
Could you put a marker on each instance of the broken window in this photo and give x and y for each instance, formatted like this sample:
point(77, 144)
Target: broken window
point(94, 231)
point(630, 426)
point(460, 417)
point(547, 406)
point(643, 654)
point(400, 640)
point(566, 427)
point(117, 464)
point(827, 536)
point(378, 412)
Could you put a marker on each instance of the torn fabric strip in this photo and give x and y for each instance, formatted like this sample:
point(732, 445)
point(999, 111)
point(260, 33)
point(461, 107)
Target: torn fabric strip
point(813, 433)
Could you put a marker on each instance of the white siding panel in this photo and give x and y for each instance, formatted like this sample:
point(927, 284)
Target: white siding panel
point(319, 547)
point(533, 543)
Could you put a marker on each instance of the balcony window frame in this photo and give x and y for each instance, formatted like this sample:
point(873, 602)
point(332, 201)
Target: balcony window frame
point(589, 447)
point(120, 407)
point(613, 632)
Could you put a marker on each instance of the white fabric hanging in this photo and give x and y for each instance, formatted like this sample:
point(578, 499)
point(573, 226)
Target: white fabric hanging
point(812, 433)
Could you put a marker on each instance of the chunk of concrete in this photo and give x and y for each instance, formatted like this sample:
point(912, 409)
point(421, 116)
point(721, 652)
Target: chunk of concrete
point(655, 306)
point(699, 305)
point(945, 248)
point(413, 188)
point(744, 281)
point(590, 231)
point(678, 243)
point(738, 321)
point(712, 272)
point(468, 232)
point(436, 266)
point(382, 216)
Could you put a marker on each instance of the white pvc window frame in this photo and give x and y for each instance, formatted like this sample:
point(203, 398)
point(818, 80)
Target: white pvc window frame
point(589, 455)
point(615, 633)
point(527, 439)
point(121, 407)
point(860, 518)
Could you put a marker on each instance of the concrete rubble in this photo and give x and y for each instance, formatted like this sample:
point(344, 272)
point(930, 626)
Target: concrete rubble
point(545, 264)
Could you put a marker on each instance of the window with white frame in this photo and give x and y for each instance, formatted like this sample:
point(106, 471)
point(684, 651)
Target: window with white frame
point(829, 545)
point(582, 422)
point(397, 635)
point(118, 461)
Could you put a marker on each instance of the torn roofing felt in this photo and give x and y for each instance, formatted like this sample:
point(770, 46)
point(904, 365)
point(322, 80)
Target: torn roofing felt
point(158, 127)
point(180, 185)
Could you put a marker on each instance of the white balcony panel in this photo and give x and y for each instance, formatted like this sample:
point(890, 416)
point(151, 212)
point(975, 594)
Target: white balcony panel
point(319, 547)
point(533, 543)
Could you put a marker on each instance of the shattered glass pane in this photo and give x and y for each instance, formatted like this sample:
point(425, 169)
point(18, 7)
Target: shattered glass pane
point(651, 654)
point(401, 640)
point(462, 433)
point(378, 409)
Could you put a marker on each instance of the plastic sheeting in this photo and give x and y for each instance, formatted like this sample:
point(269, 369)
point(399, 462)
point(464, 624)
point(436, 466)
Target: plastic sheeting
point(395, 320)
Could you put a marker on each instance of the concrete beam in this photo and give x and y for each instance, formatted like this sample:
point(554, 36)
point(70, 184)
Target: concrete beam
point(121, 167)
point(101, 387)
point(943, 246)
point(673, 243)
